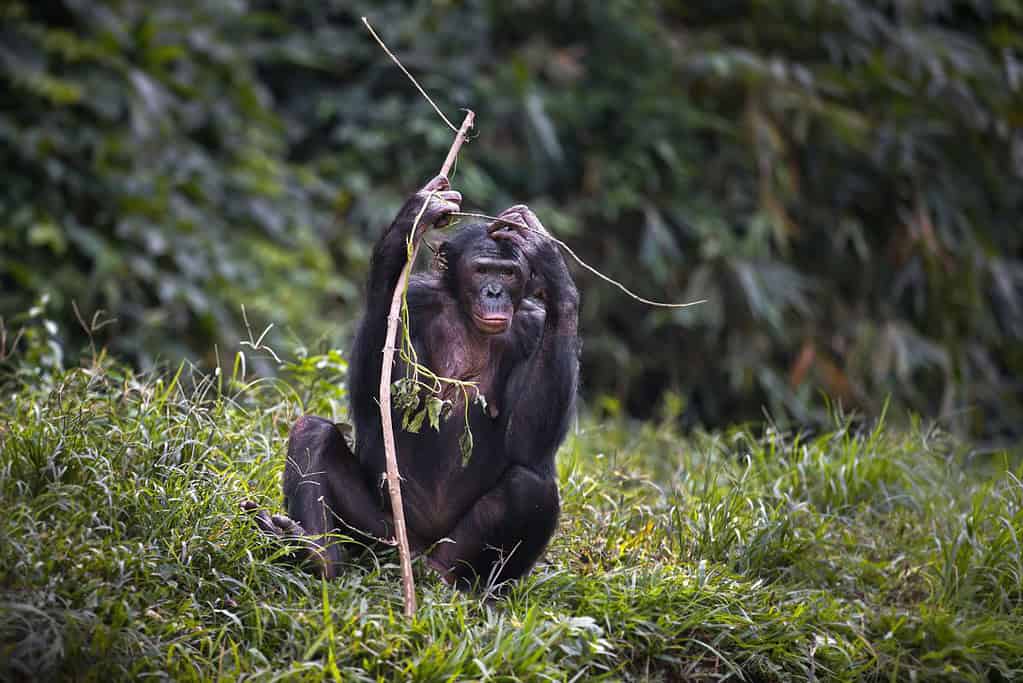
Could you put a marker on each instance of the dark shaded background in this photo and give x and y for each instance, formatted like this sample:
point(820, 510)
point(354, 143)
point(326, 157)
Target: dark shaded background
point(841, 179)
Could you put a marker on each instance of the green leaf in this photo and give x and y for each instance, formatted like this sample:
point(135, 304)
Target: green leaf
point(465, 445)
point(415, 423)
point(435, 407)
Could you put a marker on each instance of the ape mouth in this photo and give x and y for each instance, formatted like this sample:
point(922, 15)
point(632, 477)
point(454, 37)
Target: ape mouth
point(493, 323)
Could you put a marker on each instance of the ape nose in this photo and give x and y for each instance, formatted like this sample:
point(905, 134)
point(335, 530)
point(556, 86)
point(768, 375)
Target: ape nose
point(492, 290)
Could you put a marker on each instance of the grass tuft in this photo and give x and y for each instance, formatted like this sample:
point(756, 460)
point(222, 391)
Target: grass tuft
point(850, 555)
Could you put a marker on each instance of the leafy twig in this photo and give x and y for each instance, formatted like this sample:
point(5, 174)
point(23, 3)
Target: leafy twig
point(390, 455)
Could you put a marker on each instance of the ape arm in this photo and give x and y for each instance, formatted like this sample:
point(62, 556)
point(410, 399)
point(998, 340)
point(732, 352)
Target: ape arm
point(389, 257)
point(541, 390)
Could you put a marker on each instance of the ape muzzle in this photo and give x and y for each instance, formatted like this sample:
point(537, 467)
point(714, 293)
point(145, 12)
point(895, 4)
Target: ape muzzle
point(494, 310)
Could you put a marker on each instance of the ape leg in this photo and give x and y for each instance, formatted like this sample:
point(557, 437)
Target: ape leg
point(326, 492)
point(504, 532)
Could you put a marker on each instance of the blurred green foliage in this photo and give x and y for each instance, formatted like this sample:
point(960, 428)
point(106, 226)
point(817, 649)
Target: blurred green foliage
point(841, 179)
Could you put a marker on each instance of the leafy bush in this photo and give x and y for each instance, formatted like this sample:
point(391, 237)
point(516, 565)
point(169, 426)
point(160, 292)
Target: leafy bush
point(147, 175)
point(840, 179)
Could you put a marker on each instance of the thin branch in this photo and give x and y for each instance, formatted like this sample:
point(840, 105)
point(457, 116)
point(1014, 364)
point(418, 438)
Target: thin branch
point(397, 298)
point(410, 77)
point(449, 161)
point(578, 260)
point(390, 452)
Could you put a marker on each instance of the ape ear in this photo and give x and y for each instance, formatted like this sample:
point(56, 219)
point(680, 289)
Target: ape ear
point(536, 287)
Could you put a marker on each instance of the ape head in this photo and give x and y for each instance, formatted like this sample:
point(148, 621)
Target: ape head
point(487, 276)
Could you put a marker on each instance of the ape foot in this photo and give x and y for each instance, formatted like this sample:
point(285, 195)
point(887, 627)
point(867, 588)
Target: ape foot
point(309, 554)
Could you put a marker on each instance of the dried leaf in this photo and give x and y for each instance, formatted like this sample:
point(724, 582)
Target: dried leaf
point(435, 409)
point(465, 445)
point(415, 423)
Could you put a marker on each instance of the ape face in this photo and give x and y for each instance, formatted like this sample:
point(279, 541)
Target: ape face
point(490, 279)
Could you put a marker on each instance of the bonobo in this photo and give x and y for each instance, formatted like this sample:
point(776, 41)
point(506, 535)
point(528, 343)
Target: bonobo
point(499, 311)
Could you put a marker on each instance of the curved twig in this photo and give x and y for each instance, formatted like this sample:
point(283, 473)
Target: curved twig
point(605, 278)
point(410, 77)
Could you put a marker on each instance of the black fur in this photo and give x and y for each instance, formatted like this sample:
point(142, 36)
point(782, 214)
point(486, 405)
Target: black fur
point(498, 512)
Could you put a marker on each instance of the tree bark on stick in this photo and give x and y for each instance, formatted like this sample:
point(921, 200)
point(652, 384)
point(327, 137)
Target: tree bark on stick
point(390, 454)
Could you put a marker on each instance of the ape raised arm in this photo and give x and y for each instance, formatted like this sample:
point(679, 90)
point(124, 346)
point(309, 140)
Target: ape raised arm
point(544, 386)
point(499, 312)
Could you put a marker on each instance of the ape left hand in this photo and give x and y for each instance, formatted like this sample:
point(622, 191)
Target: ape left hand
point(524, 229)
point(528, 234)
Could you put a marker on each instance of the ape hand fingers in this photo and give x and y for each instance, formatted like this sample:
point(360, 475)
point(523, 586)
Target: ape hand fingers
point(512, 210)
point(521, 215)
point(440, 205)
point(436, 184)
point(532, 222)
point(509, 218)
point(507, 224)
point(503, 232)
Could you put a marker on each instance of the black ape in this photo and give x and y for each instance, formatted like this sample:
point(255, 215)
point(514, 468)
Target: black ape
point(501, 312)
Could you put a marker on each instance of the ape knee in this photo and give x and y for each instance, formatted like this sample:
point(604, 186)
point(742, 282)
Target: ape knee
point(310, 441)
point(311, 427)
point(533, 501)
point(313, 436)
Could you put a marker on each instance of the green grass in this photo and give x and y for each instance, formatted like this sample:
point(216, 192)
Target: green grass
point(884, 554)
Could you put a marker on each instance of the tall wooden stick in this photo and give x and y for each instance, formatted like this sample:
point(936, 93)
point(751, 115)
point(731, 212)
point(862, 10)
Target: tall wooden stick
point(463, 130)
point(390, 454)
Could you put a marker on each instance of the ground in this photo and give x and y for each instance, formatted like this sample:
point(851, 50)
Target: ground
point(872, 552)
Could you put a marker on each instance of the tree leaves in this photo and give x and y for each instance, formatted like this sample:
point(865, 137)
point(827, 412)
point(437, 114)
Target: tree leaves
point(822, 172)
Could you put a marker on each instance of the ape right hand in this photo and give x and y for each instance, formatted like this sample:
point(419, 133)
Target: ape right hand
point(442, 202)
point(550, 277)
point(523, 229)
